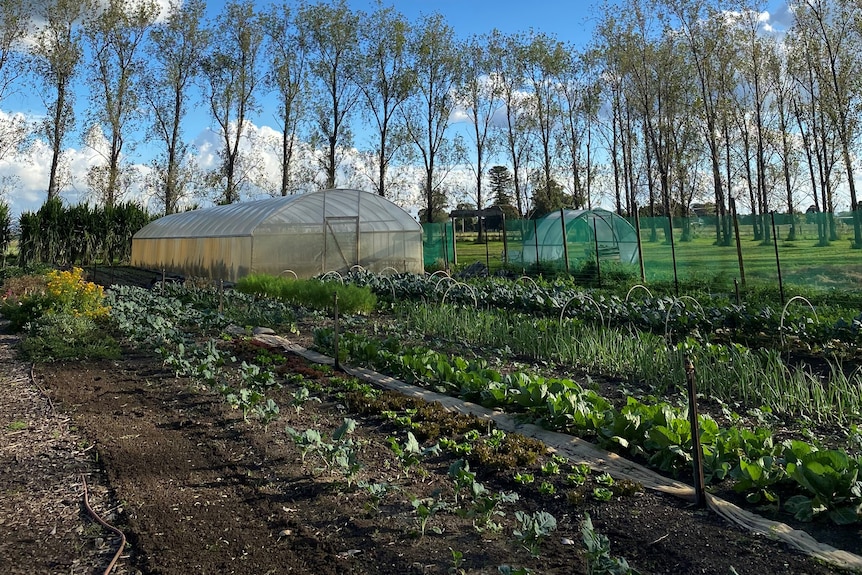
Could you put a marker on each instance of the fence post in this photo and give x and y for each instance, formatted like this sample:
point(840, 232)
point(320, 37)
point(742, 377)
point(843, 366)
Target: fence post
point(672, 251)
point(484, 233)
point(777, 259)
point(335, 331)
point(536, 237)
point(697, 450)
point(598, 259)
point(505, 243)
point(454, 245)
point(565, 240)
point(738, 243)
point(640, 246)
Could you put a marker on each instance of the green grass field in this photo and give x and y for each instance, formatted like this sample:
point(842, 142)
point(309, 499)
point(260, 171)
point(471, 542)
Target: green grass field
point(802, 262)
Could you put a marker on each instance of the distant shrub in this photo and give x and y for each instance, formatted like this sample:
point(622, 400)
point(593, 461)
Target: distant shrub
point(311, 293)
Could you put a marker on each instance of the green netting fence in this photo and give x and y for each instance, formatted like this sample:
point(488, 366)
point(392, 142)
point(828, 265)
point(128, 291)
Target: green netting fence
point(815, 249)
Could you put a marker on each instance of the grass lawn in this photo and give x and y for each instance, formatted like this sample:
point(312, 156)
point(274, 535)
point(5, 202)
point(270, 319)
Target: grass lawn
point(802, 262)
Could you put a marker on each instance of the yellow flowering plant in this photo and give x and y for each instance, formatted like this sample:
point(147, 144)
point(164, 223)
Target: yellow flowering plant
point(68, 291)
point(27, 298)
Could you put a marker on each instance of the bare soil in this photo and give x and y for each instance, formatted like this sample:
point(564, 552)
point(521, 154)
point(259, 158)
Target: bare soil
point(196, 489)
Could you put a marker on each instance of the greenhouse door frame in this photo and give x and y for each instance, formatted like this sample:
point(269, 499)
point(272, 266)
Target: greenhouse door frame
point(340, 232)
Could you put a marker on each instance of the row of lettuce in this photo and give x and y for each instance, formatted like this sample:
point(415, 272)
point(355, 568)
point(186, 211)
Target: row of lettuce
point(803, 478)
point(815, 481)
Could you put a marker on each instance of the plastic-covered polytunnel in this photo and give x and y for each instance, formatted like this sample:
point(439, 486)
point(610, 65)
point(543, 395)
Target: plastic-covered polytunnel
point(308, 234)
point(585, 234)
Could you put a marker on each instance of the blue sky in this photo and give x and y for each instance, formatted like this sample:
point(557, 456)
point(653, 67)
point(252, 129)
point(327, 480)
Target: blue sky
point(23, 179)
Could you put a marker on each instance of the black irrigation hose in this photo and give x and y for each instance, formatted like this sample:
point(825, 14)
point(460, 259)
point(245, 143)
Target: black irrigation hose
point(106, 525)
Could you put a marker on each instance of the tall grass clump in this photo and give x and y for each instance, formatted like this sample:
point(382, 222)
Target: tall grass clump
point(312, 293)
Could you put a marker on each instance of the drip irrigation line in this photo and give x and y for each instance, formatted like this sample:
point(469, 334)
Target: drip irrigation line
point(106, 525)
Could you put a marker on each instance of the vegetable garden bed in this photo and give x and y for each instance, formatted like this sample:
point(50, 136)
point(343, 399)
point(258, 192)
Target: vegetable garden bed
point(230, 458)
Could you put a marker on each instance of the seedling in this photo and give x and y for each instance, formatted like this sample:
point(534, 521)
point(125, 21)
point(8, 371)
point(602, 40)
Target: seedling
point(599, 559)
point(376, 492)
point(410, 453)
point(534, 529)
point(524, 478)
point(547, 488)
point(457, 560)
point(603, 493)
point(425, 508)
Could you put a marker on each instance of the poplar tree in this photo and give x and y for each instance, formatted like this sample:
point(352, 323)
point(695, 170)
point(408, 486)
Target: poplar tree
point(232, 73)
point(115, 35)
point(176, 49)
point(331, 31)
point(56, 55)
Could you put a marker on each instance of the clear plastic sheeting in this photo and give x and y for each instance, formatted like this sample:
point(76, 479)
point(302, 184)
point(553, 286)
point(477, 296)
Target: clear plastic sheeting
point(306, 234)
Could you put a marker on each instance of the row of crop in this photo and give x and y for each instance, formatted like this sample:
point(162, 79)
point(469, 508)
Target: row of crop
point(172, 323)
point(728, 372)
point(172, 327)
point(681, 317)
point(826, 480)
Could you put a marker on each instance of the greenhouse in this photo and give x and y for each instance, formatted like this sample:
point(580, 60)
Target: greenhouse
point(305, 235)
point(584, 233)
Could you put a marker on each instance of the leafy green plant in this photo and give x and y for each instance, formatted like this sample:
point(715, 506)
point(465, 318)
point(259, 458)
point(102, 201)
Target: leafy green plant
point(547, 488)
point(533, 529)
point(524, 478)
point(425, 508)
point(410, 453)
point(61, 335)
point(376, 492)
point(300, 396)
point(310, 293)
point(831, 479)
point(337, 454)
point(598, 552)
point(308, 441)
point(603, 493)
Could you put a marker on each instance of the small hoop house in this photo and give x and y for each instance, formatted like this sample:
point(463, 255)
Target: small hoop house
point(586, 232)
point(305, 234)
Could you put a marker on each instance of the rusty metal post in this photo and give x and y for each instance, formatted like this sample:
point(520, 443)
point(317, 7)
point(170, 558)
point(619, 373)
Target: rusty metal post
point(697, 451)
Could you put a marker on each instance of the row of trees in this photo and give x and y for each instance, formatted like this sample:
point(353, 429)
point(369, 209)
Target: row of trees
point(674, 101)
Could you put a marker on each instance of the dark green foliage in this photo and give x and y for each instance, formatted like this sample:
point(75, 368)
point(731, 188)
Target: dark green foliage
point(79, 234)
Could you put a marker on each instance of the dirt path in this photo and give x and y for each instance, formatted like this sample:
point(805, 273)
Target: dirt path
point(44, 527)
